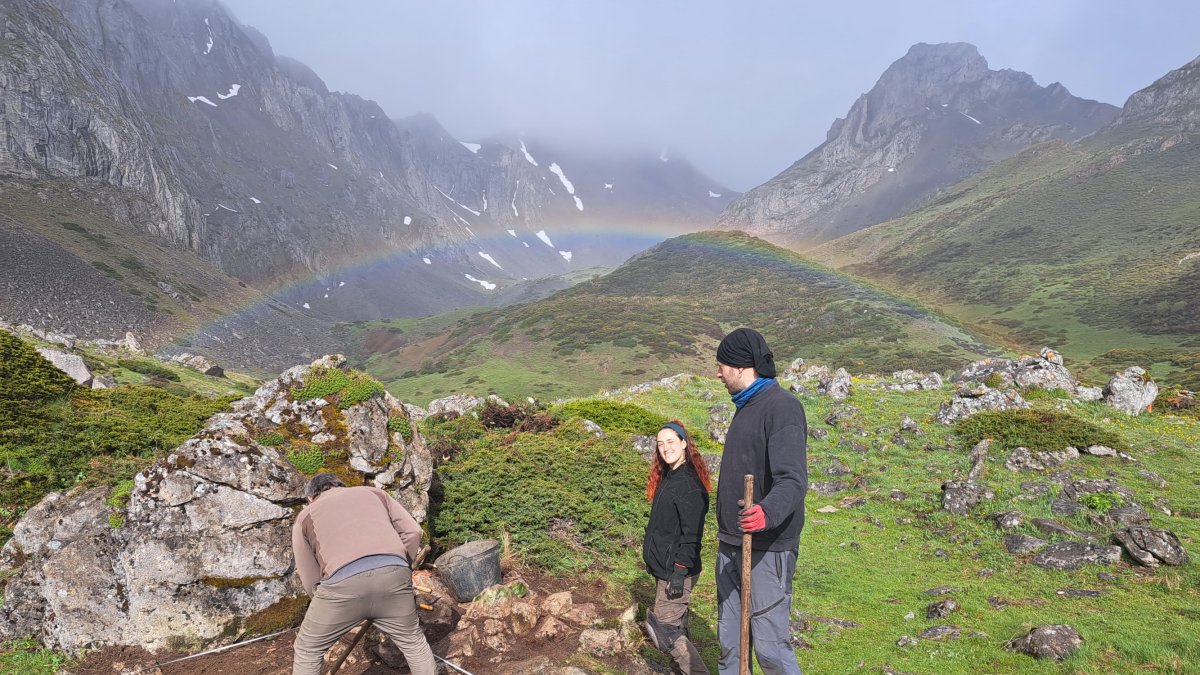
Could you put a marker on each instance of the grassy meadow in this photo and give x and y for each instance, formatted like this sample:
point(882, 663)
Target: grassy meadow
point(868, 563)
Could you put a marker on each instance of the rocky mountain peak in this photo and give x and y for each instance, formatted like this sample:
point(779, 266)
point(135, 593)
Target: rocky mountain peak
point(937, 115)
point(1172, 101)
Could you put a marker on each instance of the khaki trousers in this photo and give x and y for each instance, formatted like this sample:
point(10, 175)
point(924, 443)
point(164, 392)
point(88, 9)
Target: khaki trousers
point(385, 596)
point(674, 613)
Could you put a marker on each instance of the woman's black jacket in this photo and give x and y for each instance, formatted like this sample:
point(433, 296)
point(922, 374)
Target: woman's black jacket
point(676, 523)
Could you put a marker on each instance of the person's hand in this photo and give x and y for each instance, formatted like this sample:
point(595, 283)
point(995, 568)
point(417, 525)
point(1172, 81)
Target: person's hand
point(675, 584)
point(753, 519)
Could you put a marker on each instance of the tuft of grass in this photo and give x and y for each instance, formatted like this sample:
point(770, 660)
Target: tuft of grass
point(25, 656)
point(149, 367)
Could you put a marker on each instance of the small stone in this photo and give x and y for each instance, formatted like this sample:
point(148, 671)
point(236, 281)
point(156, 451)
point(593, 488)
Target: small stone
point(1055, 642)
point(828, 509)
point(940, 633)
point(557, 604)
point(1071, 555)
point(941, 609)
point(897, 495)
point(910, 616)
point(986, 572)
point(906, 641)
point(1080, 593)
point(941, 590)
point(1008, 520)
point(1100, 451)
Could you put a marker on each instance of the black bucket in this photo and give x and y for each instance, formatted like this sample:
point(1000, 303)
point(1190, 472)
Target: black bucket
point(470, 568)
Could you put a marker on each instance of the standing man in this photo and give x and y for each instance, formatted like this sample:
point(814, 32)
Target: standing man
point(352, 548)
point(767, 440)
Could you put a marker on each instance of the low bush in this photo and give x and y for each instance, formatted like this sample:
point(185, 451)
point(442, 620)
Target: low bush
point(567, 499)
point(26, 377)
point(1038, 430)
point(347, 387)
point(449, 434)
point(402, 426)
point(614, 416)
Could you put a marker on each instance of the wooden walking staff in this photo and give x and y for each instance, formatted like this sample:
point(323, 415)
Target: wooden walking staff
point(747, 502)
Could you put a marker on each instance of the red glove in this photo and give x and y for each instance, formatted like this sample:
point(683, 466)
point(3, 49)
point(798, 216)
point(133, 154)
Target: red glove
point(753, 519)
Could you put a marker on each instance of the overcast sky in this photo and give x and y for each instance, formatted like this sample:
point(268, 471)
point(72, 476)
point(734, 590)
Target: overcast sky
point(743, 89)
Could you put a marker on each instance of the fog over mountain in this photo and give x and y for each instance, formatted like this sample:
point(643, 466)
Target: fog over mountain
point(743, 90)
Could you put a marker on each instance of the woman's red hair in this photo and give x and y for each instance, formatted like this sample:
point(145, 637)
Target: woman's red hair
point(658, 467)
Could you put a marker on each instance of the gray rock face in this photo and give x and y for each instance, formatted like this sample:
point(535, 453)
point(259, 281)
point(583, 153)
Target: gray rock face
point(1055, 642)
point(978, 460)
point(1044, 371)
point(719, 417)
point(71, 364)
point(1022, 460)
point(199, 364)
point(205, 540)
point(911, 380)
point(1022, 544)
point(1151, 546)
point(459, 404)
point(1071, 555)
point(890, 151)
point(1130, 392)
point(968, 401)
point(959, 497)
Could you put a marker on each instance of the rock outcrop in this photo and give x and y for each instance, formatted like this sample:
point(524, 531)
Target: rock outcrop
point(203, 546)
point(970, 400)
point(1131, 392)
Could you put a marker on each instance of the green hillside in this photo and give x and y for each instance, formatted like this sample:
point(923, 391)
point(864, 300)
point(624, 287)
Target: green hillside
point(1082, 248)
point(866, 563)
point(659, 314)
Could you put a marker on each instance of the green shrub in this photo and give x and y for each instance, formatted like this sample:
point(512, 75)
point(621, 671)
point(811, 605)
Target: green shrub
point(309, 462)
point(348, 387)
point(26, 377)
point(148, 367)
point(96, 437)
point(402, 426)
point(994, 380)
point(1038, 430)
point(567, 499)
point(273, 439)
point(119, 497)
point(449, 434)
point(1101, 501)
point(613, 416)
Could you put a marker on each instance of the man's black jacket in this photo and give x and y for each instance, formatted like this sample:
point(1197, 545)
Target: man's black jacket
point(767, 438)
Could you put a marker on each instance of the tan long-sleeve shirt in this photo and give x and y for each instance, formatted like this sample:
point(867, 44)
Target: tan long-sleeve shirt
point(344, 524)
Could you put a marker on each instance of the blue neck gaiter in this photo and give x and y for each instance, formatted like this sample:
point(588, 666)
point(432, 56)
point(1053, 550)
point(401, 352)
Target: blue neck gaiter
point(742, 397)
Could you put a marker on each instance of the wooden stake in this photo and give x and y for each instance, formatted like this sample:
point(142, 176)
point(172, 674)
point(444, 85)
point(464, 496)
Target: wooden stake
point(747, 540)
point(338, 664)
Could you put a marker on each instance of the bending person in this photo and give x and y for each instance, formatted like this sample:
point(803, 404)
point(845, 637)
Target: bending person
point(353, 547)
point(678, 488)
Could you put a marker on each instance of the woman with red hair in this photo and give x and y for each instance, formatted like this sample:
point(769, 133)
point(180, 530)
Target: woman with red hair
point(678, 489)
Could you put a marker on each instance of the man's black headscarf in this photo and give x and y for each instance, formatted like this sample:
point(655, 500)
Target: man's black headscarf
point(746, 348)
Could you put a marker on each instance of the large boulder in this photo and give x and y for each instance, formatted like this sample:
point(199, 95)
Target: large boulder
point(1151, 546)
point(71, 364)
point(970, 400)
point(199, 364)
point(203, 547)
point(457, 404)
point(1131, 392)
